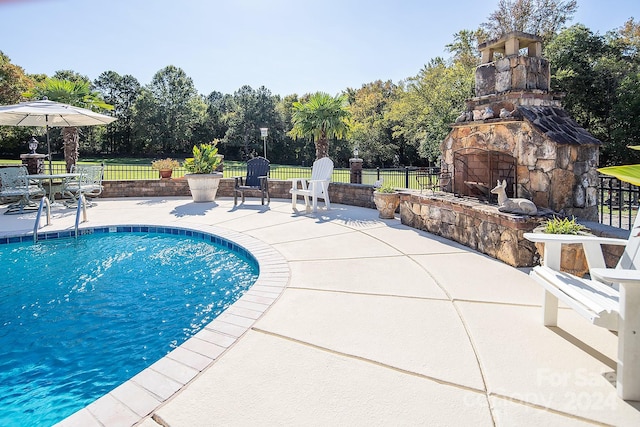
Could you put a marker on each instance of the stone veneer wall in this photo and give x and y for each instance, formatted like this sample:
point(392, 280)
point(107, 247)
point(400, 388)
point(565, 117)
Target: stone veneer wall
point(348, 194)
point(477, 225)
point(560, 177)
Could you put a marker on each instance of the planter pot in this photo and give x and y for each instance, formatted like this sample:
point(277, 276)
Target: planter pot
point(387, 203)
point(165, 173)
point(204, 187)
point(572, 258)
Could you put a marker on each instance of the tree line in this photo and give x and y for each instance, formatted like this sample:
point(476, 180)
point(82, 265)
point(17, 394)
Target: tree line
point(390, 123)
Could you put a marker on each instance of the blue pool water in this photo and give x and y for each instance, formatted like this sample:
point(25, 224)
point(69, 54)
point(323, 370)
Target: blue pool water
point(79, 317)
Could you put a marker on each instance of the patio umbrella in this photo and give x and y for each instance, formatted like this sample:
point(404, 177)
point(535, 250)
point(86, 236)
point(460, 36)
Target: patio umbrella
point(49, 113)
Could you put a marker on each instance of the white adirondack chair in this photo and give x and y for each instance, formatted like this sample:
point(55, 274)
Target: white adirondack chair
point(610, 298)
point(317, 187)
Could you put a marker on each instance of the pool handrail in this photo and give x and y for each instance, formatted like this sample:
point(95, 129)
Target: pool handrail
point(82, 203)
point(43, 202)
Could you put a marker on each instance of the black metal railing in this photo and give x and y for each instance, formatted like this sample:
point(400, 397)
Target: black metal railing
point(617, 202)
point(401, 177)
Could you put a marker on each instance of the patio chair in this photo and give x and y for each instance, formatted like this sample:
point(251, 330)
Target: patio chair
point(257, 179)
point(317, 187)
point(15, 186)
point(608, 298)
point(88, 183)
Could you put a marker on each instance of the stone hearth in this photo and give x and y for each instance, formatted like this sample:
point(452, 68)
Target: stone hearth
point(472, 223)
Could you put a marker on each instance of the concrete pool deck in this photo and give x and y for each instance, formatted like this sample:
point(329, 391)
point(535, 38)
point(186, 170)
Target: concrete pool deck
point(378, 324)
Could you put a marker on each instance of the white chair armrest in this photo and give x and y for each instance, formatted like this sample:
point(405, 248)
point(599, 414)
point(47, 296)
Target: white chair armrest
point(591, 245)
point(321, 181)
point(572, 238)
point(294, 184)
point(617, 275)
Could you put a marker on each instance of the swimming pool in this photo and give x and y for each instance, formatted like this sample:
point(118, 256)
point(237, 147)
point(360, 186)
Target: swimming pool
point(80, 317)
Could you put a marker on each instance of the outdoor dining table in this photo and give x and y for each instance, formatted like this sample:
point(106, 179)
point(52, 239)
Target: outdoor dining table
point(51, 178)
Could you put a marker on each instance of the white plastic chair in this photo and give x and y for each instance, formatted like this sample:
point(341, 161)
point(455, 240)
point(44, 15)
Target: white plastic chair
point(610, 298)
point(317, 187)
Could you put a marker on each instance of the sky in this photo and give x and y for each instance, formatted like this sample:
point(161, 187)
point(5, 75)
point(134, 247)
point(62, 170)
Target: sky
point(287, 46)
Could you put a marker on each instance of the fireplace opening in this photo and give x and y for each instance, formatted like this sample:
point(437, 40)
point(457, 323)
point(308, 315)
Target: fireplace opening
point(476, 171)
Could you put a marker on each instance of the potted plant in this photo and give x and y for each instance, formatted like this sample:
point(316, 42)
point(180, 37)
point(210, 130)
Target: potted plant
point(572, 258)
point(165, 166)
point(387, 200)
point(202, 177)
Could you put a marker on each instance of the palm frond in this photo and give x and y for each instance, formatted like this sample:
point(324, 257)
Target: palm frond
point(626, 173)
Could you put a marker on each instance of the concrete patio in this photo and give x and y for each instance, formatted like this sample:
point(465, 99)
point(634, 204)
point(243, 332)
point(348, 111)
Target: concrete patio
point(377, 324)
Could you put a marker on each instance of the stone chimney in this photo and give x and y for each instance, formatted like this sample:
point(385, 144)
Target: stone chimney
point(504, 69)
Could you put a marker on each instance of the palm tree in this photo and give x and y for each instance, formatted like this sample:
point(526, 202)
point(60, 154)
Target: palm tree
point(72, 92)
point(321, 117)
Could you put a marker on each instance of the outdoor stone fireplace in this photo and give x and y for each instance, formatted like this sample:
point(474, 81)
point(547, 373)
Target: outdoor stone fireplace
point(524, 134)
point(515, 130)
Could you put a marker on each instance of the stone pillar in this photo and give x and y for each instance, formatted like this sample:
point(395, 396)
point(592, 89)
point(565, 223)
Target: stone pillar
point(355, 165)
point(34, 163)
point(511, 46)
point(487, 56)
point(220, 167)
point(535, 49)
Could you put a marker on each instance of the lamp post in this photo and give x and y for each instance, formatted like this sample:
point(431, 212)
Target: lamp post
point(33, 160)
point(263, 133)
point(33, 145)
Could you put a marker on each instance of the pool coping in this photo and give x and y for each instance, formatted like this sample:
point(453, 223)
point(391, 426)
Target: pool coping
point(138, 398)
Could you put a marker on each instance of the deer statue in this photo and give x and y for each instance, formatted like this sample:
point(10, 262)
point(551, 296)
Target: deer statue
point(516, 206)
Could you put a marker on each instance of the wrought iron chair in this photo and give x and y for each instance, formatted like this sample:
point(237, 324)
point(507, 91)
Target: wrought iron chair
point(257, 179)
point(15, 186)
point(88, 183)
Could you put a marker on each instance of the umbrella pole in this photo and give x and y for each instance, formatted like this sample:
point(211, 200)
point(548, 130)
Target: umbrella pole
point(49, 151)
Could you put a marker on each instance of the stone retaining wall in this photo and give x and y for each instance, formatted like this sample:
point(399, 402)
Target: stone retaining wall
point(477, 225)
point(348, 194)
point(482, 227)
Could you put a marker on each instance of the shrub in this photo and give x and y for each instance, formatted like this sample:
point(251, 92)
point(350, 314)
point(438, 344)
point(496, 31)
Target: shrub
point(563, 226)
point(165, 164)
point(386, 188)
point(205, 158)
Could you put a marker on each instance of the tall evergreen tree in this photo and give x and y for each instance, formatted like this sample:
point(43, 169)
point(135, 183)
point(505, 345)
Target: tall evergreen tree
point(167, 112)
point(121, 92)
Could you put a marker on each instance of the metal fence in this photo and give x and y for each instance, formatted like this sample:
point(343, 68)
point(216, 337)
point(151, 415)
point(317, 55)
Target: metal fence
point(403, 177)
point(617, 202)
point(406, 177)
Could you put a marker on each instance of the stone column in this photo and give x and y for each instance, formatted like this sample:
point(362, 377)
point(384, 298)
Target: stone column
point(34, 163)
point(355, 165)
point(220, 167)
